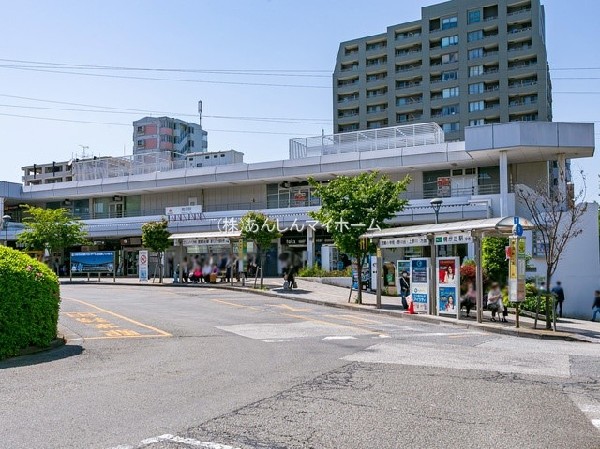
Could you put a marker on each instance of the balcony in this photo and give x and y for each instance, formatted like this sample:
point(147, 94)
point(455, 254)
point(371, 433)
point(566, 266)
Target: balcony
point(411, 85)
point(351, 68)
point(408, 35)
point(348, 99)
point(514, 13)
point(528, 83)
point(514, 31)
point(408, 68)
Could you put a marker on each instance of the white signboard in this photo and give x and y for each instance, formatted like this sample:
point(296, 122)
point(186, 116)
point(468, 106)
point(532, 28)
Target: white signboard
point(143, 265)
point(454, 238)
point(448, 286)
point(184, 213)
point(403, 242)
point(419, 283)
point(207, 241)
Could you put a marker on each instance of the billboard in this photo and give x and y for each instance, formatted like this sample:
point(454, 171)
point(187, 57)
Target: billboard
point(93, 262)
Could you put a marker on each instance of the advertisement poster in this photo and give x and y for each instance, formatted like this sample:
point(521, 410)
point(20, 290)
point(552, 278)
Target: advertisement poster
point(93, 262)
point(401, 266)
point(448, 285)
point(419, 283)
point(143, 265)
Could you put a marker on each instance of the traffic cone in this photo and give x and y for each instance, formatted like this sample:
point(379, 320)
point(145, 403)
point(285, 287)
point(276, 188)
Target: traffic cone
point(411, 308)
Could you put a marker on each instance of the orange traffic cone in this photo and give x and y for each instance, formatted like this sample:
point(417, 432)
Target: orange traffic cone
point(411, 308)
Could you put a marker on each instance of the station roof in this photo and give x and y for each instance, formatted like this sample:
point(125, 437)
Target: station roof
point(207, 235)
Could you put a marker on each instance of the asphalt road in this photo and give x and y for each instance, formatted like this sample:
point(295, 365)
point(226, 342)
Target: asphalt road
point(149, 367)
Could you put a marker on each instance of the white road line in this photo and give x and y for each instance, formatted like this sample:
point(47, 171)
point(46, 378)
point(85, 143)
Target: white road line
point(589, 407)
point(175, 439)
point(340, 337)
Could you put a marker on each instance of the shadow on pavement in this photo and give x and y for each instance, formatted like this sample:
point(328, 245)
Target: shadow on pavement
point(50, 355)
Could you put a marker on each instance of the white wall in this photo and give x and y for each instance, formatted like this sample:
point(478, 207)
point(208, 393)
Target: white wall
point(579, 267)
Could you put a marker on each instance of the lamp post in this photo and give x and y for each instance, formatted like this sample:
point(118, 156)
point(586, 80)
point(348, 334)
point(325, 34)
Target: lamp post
point(5, 220)
point(436, 204)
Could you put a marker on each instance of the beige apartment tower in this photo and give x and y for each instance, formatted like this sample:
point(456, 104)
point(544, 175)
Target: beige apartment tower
point(465, 63)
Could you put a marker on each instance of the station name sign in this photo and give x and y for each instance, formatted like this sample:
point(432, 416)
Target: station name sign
point(402, 242)
point(184, 213)
point(454, 238)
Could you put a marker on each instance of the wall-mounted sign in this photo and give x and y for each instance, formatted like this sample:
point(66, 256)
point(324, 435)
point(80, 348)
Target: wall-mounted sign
point(206, 241)
point(419, 283)
point(184, 213)
point(93, 262)
point(448, 285)
point(444, 186)
point(401, 242)
point(454, 238)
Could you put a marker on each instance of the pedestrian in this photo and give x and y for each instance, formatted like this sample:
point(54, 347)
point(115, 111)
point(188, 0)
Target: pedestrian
point(469, 299)
point(494, 302)
point(596, 305)
point(559, 296)
point(404, 289)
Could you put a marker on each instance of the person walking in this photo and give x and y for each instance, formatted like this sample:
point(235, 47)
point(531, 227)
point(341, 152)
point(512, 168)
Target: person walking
point(596, 305)
point(559, 296)
point(469, 299)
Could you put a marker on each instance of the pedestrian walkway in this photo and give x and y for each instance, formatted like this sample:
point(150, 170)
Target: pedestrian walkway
point(311, 291)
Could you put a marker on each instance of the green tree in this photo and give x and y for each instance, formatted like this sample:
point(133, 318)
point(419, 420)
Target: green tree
point(156, 237)
point(50, 229)
point(352, 205)
point(493, 259)
point(259, 228)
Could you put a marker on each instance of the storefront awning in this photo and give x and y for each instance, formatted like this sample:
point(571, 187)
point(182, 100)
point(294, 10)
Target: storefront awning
point(498, 226)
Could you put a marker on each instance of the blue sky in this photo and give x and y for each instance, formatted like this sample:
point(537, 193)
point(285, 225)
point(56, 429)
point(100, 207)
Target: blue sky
point(297, 40)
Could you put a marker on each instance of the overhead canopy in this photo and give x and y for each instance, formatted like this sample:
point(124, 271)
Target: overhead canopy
point(498, 225)
point(207, 235)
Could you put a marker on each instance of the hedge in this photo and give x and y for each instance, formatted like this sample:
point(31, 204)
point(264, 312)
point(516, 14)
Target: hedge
point(29, 303)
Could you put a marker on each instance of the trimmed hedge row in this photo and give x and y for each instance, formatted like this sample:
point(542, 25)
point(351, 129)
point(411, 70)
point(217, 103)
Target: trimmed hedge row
point(29, 303)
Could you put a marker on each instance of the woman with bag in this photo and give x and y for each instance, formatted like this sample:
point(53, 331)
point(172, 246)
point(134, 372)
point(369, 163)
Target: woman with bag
point(494, 301)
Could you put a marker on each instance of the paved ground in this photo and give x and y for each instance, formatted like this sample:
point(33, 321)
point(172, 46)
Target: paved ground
point(177, 367)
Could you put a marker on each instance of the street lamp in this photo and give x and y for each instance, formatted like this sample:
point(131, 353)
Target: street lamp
point(436, 204)
point(5, 220)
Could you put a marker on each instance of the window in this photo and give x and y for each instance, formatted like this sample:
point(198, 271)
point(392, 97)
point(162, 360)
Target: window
point(473, 16)
point(222, 155)
point(475, 36)
point(456, 172)
point(450, 92)
point(476, 53)
point(475, 70)
point(476, 106)
point(449, 22)
point(140, 143)
point(140, 129)
point(451, 75)
point(476, 88)
point(477, 122)
point(449, 58)
point(471, 171)
point(451, 127)
point(450, 109)
point(449, 40)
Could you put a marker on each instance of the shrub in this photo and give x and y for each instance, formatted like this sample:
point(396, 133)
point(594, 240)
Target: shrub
point(317, 272)
point(29, 303)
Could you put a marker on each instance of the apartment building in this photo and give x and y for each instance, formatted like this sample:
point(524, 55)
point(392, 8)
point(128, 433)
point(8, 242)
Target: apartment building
point(168, 135)
point(464, 63)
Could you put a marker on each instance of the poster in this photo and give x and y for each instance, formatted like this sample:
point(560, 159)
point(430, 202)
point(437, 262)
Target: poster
point(401, 266)
point(419, 283)
point(143, 265)
point(93, 262)
point(448, 286)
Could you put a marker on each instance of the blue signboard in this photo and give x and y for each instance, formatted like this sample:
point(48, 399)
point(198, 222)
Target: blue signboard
point(93, 262)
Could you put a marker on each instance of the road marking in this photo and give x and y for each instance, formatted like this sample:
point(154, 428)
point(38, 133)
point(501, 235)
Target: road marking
point(328, 323)
point(122, 333)
point(354, 319)
point(589, 407)
point(340, 337)
point(233, 304)
point(186, 441)
point(287, 307)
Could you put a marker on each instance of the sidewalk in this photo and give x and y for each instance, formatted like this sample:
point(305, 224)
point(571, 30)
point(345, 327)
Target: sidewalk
point(329, 295)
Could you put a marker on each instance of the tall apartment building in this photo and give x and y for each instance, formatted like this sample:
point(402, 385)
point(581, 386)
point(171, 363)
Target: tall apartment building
point(465, 63)
point(166, 134)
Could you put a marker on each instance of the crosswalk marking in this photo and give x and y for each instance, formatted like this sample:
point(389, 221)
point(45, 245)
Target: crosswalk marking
point(589, 407)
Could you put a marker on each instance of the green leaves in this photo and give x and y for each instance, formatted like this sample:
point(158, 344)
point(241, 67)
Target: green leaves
point(156, 236)
point(54, 229)
point(259, 228)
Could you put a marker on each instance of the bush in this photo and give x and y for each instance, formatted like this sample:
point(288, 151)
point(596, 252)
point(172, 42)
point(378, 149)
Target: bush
point(316, 272)
point(29, 303)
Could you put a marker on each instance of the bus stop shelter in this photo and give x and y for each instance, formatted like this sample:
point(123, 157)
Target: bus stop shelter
point(476, 229)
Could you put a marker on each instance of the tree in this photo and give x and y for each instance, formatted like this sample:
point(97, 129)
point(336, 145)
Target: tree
point(156, 237)
point(556, 214)
point(259, 228)
point(50, 229)
point(493, 258)
point(352, 205)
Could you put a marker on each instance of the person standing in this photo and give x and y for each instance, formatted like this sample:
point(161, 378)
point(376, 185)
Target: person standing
point(559, 296)
point(494, 303)
point(596, 305)
point(404, 289)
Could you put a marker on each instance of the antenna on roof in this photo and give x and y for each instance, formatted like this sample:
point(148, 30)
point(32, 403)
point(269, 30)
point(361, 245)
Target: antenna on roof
point(200, 111)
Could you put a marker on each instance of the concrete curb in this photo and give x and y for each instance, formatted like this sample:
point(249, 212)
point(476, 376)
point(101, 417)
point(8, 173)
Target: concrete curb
point(521, 332)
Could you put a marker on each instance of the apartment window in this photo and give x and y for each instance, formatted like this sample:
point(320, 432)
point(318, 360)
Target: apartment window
point(450, 109)
point(473, 16)
point(450, 92)
point(476, 53)
point(140, 143)
point(140, 129)
point(476, 88)
point(475, 36)
point(449, 22)
point(449, 40)
point(450, 75)
point(477, 122)
point(449, 58)
point(451, 127)
point(476, 106)
point(475, 70)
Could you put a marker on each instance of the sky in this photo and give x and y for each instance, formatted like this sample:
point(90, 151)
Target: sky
point(262, 68)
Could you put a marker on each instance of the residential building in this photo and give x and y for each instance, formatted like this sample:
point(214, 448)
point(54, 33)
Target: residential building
point(168, 135)
point(475, 178)
point(464, 63)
